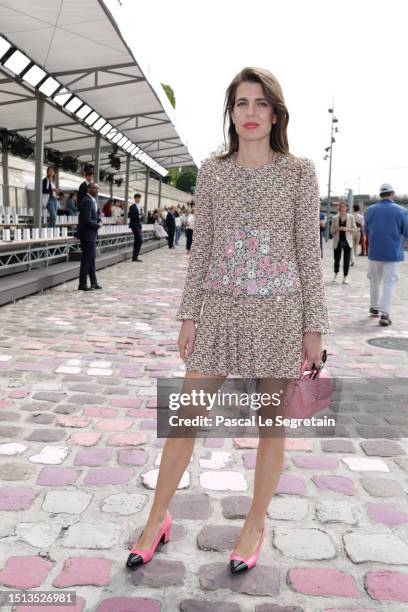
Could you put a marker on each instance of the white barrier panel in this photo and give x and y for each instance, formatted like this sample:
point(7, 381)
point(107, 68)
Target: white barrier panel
point(64, 232)
point(44, 233)
point(26, 233)
point(6, 234)
point(17, 234)
point(36, 233)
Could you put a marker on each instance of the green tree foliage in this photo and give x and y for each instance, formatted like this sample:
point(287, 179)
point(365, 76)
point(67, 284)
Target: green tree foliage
point(170, 94)
point(187, 179)
point(173, 174)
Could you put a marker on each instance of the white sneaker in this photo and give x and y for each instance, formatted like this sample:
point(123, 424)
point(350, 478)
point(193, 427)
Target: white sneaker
point(335, 278)
point(346, 281)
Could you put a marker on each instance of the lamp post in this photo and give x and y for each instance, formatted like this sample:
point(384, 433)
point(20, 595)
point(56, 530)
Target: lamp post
point(329, 155)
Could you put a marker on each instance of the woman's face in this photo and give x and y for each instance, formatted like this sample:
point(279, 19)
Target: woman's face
point(343, 209)
point(252, 114)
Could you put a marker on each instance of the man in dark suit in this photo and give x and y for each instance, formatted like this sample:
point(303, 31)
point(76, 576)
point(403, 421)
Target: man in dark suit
point(89, 221)
point(83, 188)
point(171, 226)
point(136, 227)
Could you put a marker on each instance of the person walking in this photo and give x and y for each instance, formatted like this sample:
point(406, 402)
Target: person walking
point(253, 303)
point(89, 221)
point(343, 227)
point(171, 226)
point(177, 221)
point(386, 226)
point(359, 219)
point(136, 226)
point(189, 230)
point(322, 226)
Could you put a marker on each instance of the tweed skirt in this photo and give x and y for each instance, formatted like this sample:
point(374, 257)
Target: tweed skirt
point(249, 336)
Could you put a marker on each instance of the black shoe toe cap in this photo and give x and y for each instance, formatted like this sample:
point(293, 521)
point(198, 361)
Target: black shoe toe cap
point(237, 566)
point(133, 561)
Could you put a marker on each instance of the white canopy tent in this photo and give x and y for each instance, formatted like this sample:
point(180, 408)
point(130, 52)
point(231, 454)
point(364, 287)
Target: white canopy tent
point(79, 46)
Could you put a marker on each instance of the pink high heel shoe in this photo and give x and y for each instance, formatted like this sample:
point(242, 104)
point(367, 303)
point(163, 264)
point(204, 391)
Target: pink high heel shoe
point(239, 564)
point(139, 557)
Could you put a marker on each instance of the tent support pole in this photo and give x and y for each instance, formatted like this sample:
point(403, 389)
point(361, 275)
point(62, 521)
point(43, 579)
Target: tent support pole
point(127, 176)
point(146, 194)
point(39, 160)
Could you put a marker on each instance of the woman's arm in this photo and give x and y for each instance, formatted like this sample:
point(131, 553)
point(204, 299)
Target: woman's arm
point(307, 244)
point(335, 225)
point(193, 293)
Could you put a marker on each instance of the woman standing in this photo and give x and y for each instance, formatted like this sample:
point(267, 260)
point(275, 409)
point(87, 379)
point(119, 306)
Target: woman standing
point(343, 229)
point(49, 192)
point(254, 289)
point(189, 230)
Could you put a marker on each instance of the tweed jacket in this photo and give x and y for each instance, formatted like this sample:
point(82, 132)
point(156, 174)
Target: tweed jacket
point(256, 234)
point(351, 222)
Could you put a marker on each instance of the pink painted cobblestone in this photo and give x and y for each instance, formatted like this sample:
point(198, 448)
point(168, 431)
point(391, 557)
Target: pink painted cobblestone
point(85, 392)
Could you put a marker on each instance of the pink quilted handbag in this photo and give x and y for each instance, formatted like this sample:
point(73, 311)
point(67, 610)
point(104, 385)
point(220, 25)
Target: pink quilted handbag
point(309, 394)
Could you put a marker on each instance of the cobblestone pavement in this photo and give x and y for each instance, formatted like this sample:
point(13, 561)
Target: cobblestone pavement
point(79, 458)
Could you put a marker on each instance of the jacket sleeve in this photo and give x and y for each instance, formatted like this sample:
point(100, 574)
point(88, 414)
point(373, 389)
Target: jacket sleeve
point(307, 241)
point(404, 224)
point(193, 294)
point(86, 209)
point(334, 225)
point(366, 224)
point(133, 215)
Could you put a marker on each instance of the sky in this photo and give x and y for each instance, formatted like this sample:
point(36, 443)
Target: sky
point(352, 51)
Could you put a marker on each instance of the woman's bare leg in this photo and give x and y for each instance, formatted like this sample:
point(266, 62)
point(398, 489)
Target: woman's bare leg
point(176, 457)
point(268, 469)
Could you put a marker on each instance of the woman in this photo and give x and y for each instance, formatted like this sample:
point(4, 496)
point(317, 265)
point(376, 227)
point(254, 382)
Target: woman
point(71, 204)
point(107, 208)
point(116, 212)
point(49, 192)
point(177, 219)
point(189, 230)
point(256, 270)
point(343, 229)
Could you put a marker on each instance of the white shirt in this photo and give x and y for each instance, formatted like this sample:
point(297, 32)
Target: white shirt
point(190, 221)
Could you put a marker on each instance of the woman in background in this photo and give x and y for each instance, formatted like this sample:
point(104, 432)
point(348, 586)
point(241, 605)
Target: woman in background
point(343, 229)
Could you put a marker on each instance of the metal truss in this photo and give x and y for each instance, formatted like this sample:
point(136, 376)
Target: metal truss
point(32, 255)
point(95, 72)
point(36, 255)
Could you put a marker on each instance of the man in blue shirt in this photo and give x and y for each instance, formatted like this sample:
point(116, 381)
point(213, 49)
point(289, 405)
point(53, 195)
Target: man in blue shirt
point(386, 226)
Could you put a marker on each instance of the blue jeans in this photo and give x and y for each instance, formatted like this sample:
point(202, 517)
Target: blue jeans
point(178, 234)
point(52, 206)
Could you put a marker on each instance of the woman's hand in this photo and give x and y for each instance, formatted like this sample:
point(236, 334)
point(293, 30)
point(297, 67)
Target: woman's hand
point(312, 349)
point(186, 338)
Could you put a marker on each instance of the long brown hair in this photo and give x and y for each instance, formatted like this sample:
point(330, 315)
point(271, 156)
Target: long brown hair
point(273, 93)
